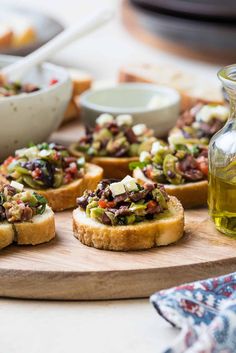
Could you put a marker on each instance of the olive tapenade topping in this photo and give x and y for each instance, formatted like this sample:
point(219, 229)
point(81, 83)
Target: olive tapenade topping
point(15, 88)
point(17, 205)
point(115, 137)
point(200, 122)
point(43, 166)
point(124, 202)
point(174, 165)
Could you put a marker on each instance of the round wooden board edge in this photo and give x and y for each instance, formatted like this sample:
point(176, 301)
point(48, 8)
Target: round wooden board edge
point(104, 285)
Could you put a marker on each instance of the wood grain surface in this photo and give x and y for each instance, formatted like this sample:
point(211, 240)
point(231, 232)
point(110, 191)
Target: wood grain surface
point(66, 269)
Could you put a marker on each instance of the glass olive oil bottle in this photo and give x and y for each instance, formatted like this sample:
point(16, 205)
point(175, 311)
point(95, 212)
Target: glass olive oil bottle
point(222, 163)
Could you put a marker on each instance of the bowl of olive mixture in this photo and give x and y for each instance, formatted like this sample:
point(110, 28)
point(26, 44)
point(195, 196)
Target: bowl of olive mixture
point(32, 108)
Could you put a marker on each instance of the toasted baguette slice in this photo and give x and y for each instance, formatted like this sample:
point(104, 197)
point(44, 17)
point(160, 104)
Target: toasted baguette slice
point(6, 35)
point(190, 194)
point(114, 168)
point(166, 229)
point(65, 196)
point(71, 113)
point(6, 234)
point(23, 36)
point(3, 180)
point(40, 230)
point(191, 87)
point(81, 81)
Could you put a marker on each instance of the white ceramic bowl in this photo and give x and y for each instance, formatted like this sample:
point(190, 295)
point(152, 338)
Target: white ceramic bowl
point(33, 117)
point(156, 106)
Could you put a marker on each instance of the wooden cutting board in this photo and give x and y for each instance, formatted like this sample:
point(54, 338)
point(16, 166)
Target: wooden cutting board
point(66, 269)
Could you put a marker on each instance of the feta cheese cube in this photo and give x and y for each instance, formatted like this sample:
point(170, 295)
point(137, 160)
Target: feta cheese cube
point(196, 125)
point(156, 147)
point(117, 188)
point(175, 138)
point(130, 183)
point(207, 112)
point(144, 156)
point(104, 119)
point(30, 153)
point(139, 129)
point(44, 153)
point(124, 119)
point(17, 186)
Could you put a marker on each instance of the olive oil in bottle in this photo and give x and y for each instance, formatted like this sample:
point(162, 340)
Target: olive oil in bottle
point(222, 204)
point(222, 163)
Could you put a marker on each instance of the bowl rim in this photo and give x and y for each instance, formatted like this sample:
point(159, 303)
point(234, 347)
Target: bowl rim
point(45, 66)
point(172, 93)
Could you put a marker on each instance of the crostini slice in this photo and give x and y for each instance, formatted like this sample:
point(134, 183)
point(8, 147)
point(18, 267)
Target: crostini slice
point(114, 221)
point(53, 172)
point(114, 143)
point(25, 218)
point(183, 169)
point(64, 197)
point(112, 167)
point(198, 124)
point(190, 195)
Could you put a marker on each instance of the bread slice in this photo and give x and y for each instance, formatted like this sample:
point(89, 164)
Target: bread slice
point(6, 234)
point(191, 86)
point(40, 230)
point(190, 195)
point(71, 113)
point(65, 196)
point(23, 35)
point(114, 168)
point(166, 229)
point(81, 80)
point(6, 36)
point(3, 180)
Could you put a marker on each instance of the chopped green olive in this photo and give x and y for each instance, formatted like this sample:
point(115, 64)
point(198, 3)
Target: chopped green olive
point(170, 170)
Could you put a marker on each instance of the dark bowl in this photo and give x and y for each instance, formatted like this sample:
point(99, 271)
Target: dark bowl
point(46, 27)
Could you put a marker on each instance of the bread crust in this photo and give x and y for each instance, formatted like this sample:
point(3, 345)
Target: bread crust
point(6, 39)
point(40, 230)
point(71, 112)
point(167, 229)
point(115, 168)
point(143, 73)
point(6, 234)
point(190, 194)
point(65, 196)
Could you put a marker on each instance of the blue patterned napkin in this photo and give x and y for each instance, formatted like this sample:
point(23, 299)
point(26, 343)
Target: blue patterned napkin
point(206, 313)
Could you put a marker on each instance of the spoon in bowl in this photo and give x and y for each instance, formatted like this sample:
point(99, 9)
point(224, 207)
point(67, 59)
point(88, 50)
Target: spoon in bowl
point(18, 69)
